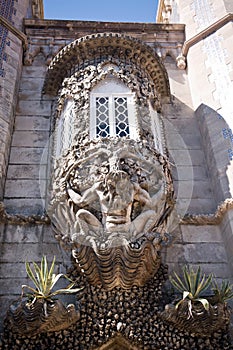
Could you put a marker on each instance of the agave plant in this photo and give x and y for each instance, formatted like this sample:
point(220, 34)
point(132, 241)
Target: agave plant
point(223, 293)
point(44, 280)
point(192, 285)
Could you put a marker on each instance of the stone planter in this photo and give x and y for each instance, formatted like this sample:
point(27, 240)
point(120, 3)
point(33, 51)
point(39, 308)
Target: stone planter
point(31, 319)
point(201, 322)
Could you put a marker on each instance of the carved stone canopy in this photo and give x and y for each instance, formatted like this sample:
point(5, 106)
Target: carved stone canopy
point(98, 47)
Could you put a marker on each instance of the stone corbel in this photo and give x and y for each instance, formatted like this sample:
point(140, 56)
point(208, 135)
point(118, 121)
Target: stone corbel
point(38, 9)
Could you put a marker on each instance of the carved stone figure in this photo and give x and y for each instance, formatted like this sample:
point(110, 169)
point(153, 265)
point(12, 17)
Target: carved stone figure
point(111, 199)
point(117, 194)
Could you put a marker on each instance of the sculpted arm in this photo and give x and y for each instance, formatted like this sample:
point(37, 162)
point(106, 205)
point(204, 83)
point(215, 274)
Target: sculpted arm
point(144, 197)
point(82, 200)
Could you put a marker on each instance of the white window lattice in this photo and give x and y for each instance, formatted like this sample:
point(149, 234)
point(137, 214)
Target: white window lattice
point(112, 116)
point(112, 110)
point(121, 116)
point(102, 116)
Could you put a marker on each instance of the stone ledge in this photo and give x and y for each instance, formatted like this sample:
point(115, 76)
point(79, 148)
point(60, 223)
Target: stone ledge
point(209, 219)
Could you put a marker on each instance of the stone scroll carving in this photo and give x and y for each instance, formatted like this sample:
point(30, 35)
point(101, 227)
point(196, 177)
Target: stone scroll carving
point(110, 203)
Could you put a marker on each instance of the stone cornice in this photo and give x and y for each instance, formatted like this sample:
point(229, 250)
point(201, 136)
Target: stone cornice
point(17, 219)
point(97, 26)
point(209, 219)
point(20, 35)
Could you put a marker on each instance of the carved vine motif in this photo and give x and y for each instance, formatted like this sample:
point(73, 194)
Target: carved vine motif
point(112, 193)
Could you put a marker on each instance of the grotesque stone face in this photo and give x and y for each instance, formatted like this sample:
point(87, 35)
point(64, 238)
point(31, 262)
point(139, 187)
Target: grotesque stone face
point(112, 198)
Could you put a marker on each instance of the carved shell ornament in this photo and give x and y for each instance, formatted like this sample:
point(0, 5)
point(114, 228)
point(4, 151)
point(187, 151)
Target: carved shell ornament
point(111, 203)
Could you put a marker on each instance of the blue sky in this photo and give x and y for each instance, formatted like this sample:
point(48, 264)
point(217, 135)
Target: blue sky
point(102, 10)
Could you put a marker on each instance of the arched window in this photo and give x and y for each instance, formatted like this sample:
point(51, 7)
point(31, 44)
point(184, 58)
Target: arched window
point(112, 110)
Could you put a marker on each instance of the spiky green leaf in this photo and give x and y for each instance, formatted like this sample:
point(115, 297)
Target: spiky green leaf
point(39, 276)
point(31, 274)
point(51, 271)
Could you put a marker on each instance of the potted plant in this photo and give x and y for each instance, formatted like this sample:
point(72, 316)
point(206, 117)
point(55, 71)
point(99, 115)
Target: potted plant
point(192, 286)
point(41, 311)
point(222, 294)
point(200, 315)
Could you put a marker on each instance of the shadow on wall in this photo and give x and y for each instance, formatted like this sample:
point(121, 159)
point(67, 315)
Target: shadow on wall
point(187, 157)
point(217, 140)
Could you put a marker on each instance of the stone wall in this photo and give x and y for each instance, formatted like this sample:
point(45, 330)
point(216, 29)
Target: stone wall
point(10, 67)
point(20, 243)
point(198, 245)
point(25, 182)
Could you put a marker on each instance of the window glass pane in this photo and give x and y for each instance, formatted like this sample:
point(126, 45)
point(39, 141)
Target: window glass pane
point(102, 116)
point(121, 116)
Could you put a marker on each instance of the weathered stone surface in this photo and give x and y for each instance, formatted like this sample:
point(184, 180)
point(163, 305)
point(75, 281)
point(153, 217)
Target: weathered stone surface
point(21, 252)
point(193, 189)
point(30, 139)
point(40, 123)
point(32, 72)
point(28, 83)
point(188, 141)
point(190, 173)
point(24, 155)
point(24, 206)
point(34, 108)
point(184, 157)
point(24, 189)
point(23, 234)
point(192, 234)
point(205, 253)
point(195, 206)
point(26, 171)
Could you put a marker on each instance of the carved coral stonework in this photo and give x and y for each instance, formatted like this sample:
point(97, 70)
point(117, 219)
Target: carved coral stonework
point(110, 203)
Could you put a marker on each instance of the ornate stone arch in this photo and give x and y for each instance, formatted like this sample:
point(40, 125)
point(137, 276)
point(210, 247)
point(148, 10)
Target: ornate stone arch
point(96, 48)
